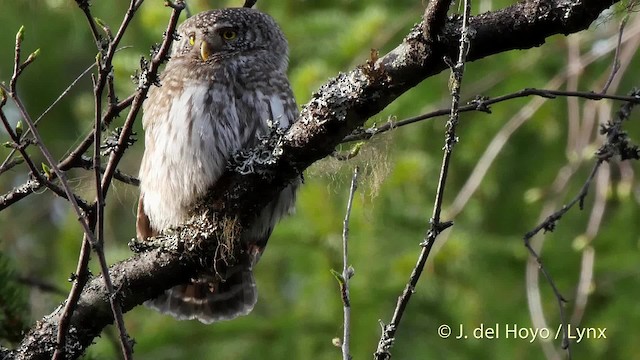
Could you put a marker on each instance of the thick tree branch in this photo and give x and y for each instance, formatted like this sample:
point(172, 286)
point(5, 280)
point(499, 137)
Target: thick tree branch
point(340, 106)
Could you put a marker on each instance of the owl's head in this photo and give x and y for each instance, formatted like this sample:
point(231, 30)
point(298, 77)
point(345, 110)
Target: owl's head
point(216, 35)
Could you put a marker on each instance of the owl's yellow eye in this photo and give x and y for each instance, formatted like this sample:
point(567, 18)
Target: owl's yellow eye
point(192, 39)
point(229, 34)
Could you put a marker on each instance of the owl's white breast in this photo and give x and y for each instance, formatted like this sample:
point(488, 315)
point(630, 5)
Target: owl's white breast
point(186, 151)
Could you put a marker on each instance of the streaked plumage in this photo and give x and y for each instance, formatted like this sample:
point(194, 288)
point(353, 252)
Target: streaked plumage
point(226, 78)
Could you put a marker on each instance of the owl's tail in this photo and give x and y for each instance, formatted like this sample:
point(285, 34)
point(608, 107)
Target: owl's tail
point(209, 298)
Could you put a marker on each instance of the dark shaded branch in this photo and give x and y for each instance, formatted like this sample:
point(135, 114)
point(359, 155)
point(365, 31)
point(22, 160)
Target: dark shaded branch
point(340, 106)
point(41, 285)
point(436, 225)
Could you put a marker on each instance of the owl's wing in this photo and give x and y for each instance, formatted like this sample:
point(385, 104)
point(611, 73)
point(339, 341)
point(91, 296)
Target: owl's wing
point(273, 101)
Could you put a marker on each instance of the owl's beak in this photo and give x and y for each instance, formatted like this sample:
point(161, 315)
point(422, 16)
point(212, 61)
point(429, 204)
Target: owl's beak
point(204, 51)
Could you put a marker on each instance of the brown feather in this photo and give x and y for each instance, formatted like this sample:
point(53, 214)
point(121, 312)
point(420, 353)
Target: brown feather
point(143, 226)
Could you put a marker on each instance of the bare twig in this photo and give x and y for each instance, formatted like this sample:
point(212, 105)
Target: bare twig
point(87, 164)
point(141, 94)
point(457, 72)
point(347, 271)
point(615, 66)
point(19, 145)
point(81, 277)
point(62, 95)
point(617, 144)
point(105, 78)
point(84, 5)
point(103, 181)
point(549, 225)
point(481, 103)
point(550, 222)
point(74, 159)
point(10, 163)
point(13, 94)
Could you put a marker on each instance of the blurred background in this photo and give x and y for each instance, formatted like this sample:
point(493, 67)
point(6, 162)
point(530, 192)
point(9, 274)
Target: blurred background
point(510, 169)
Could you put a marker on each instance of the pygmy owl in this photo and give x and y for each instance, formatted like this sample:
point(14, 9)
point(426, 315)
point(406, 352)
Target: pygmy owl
point(225, 80)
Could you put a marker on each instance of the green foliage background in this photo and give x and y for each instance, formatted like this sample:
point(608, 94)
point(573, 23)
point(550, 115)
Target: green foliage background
point(477, 273)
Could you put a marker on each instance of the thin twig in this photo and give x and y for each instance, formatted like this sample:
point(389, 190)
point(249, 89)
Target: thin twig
point(84, 5)
point(74, 159)
point(550, 222)
point(549, 225)
point(481, 103)
point(62, 95)
point(615, 66)
point(105, 79)
point(38, 178)
point(436, 227)
point(20, 146)
point(13, 94)
point(136, 103)
point(81, 277)
point(87, 164)
point(125, 342)
point(10, 164)
point(150, 78)
point(347, 271)
point(16, 59)
point(617, 144)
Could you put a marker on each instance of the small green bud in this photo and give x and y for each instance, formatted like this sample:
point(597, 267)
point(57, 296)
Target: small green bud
point(32, 57)
point(8, 144)
point(19, 128)
point(3, 97)
point(99, 22)
point(20, 34)
point(356, 149)
point(338, 276)
point(47, 170)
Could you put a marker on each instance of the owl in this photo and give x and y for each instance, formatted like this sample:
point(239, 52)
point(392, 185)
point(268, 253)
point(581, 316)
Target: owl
point(225, 81)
